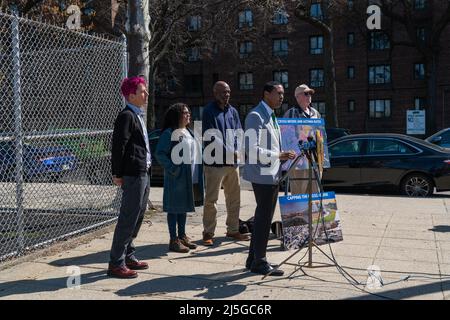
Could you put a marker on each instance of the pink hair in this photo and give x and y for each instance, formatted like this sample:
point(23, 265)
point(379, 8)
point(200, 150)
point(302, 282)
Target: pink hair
point(129, 85)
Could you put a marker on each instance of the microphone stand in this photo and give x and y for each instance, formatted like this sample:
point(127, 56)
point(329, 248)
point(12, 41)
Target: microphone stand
point(307, 152)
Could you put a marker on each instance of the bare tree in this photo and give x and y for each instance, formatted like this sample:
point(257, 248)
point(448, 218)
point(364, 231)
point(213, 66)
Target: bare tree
point(428, 43)
point(328, 11)
point(405, 24)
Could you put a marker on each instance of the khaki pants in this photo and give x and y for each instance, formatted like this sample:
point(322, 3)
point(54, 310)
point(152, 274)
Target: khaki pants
point(215, 177)
point(301, 186)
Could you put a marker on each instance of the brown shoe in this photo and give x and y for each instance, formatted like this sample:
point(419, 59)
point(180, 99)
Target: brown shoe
point(136, 265)
point(177, 246)
point(186, 241)
point(238, 236)
point(208, 239)
point(121, 272)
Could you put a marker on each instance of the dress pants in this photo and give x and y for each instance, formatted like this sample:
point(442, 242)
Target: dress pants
point(266, 200)
point(134, 203)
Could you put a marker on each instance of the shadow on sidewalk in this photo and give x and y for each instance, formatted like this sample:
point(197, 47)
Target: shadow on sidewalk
point(442, 229)
point(46, 285)
point(217, 285)
point(142, 253)
point(409, 293)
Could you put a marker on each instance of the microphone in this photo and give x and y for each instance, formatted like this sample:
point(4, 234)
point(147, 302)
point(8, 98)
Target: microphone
point(308, 145)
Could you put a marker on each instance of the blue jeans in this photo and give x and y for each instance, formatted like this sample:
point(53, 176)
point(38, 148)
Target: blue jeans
point(172, 220)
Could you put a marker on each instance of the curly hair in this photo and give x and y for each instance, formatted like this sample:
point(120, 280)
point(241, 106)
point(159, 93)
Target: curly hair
point(173, 116)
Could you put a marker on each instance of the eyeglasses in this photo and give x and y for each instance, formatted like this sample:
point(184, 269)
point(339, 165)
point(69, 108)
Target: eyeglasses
point(186, 112)
point(307, 94)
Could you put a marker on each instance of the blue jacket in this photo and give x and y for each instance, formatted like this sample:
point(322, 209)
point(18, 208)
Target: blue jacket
point(215, 118)
point(180, 195)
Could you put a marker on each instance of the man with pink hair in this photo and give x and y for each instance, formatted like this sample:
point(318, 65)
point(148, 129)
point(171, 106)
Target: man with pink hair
point(131, 161)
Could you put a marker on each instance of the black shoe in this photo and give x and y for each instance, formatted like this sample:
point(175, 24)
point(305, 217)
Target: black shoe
point(265, 269)
point(248, 265)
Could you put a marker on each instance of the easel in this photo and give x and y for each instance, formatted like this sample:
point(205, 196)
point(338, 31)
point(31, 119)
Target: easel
point(308, 153)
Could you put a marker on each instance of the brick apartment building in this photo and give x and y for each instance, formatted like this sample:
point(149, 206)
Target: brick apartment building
point(376, 84)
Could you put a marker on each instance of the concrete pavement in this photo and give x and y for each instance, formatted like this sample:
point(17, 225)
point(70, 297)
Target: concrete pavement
point(408, 239)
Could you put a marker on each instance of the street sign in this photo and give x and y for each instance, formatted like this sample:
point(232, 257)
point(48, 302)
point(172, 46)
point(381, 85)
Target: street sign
point(415, 122)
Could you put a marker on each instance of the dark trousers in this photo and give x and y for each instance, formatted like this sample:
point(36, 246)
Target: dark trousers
point(266, 200)
point(174, 219)
point(134, 202)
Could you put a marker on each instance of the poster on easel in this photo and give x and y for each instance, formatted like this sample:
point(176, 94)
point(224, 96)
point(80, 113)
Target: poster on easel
point(295, 221)
point(298, 130)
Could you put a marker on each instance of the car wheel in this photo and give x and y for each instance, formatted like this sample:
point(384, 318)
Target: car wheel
point(417, 185)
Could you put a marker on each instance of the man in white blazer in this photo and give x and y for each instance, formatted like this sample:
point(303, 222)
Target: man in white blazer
point(263, 170)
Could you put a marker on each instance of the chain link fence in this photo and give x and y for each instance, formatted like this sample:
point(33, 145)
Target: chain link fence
point(59, 95)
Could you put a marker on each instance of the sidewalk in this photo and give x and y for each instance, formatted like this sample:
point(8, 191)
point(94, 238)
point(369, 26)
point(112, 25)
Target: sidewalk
point(404, 237)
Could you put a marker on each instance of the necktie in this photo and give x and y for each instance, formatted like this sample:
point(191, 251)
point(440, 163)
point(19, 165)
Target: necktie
point(274, 119)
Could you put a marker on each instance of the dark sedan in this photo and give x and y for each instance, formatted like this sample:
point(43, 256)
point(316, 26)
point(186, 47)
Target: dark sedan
point(413, 166)
point(157, 177)
point(441, 138)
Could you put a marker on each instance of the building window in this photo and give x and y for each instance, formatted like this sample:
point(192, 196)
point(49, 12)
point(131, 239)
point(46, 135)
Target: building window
point(379, 109)
point(379, 40)
point(193, 54)
point(351, 106)
point(380, 74)
point(246, 81)
point(245, 19)
point(420, 4)
point(280, 17)
point(194, 23)
point(420, 103)
point(280, 47)
point(316, 45)
point(316, 11)
point(419, 71)
point(350, 4)
point(421, 34)
point(282, 77)
point(316, 78)
point(320, 106)
point(351, 72)
point(245, 49)
point(351, 39)
point(244, 109)
point(171, 84)
point(193, 84)
point(197, 113)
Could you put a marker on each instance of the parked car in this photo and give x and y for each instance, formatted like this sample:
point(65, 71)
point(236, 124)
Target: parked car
point(157, 177)
point(441, 138)
point(334, 133)
point(39, 162)
point(413, 166)
point(91, 150)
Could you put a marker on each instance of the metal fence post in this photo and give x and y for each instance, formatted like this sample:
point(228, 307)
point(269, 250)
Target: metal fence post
point(124, 61)
point(18, 130)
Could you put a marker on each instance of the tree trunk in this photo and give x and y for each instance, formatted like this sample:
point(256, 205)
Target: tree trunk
point(431, 76)
point(330, 80)
point(151, 114)
point(138, 37)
